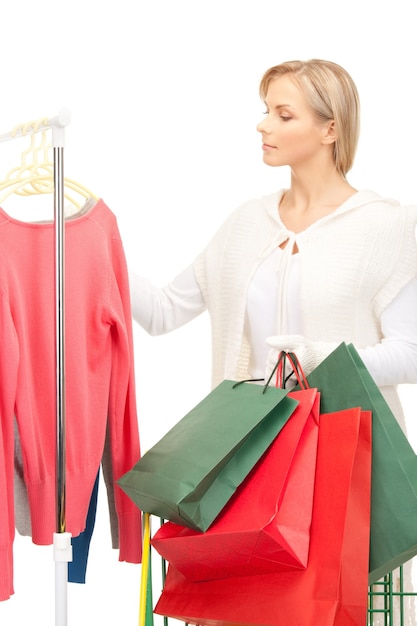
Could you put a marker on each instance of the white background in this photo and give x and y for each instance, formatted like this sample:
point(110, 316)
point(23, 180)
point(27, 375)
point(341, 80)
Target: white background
point(164, 102)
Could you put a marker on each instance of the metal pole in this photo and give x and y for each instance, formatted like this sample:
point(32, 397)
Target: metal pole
point(60, 336)
point(62, 539)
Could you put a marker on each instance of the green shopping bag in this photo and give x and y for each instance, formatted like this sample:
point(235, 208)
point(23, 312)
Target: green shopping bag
point(190, 474)
point(344, 382)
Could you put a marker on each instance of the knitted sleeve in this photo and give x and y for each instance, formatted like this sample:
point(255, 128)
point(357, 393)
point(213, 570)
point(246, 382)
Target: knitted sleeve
point(9, 358)
point(123, 420)
point(159, 310)
point(401, 256)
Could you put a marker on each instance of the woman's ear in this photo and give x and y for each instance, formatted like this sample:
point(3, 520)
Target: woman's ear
point(329, 134)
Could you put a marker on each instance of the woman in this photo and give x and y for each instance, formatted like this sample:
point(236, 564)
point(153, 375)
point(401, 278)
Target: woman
point(309, 266)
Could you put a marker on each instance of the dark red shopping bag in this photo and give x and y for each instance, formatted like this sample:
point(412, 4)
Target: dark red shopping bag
point(265, 527)
point(333, 589)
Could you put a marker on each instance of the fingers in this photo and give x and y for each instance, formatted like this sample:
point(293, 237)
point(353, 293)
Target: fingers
point(286, 342)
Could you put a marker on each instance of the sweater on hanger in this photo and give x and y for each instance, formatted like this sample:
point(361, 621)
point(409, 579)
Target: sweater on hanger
point(353, 263)
point(99, 375)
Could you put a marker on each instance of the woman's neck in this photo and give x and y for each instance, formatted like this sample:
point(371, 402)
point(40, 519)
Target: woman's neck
point(303, 204)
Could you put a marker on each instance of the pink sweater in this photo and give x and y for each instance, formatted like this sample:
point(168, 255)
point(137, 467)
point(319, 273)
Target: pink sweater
point(100, 384)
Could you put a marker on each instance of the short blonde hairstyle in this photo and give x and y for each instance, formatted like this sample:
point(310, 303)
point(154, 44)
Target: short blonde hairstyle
point(332, 95)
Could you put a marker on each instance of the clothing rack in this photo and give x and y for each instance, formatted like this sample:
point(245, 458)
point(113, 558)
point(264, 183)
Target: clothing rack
point(62, 550)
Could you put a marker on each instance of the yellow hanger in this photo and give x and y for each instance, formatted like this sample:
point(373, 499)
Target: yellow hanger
point(35, 174)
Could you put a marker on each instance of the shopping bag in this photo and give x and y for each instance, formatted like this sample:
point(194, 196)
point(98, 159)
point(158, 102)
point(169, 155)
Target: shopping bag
point(333, 589)
point(190, 474)
point(344, 381)
point(265, 526)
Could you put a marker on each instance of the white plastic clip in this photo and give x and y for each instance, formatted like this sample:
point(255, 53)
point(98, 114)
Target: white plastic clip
point(58, 124)
point(62, 547)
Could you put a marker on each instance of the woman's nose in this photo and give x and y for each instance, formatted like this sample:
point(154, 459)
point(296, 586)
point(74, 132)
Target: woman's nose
point(262, 126)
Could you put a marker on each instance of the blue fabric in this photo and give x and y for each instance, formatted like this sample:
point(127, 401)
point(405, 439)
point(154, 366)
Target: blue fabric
point(77, 568)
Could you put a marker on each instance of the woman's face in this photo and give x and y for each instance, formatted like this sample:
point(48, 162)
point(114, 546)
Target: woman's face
point(291, 134)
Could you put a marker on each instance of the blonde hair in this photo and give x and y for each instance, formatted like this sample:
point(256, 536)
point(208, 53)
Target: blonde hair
point(332, 95)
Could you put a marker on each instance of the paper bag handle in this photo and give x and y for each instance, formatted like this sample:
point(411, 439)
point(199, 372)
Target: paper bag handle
point(279, 371)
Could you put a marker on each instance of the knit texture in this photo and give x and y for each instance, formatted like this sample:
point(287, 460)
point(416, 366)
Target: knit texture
point(100, 384)
point(353, 263)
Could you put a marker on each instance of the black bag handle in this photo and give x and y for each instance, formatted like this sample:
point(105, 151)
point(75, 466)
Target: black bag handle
point(279, 371)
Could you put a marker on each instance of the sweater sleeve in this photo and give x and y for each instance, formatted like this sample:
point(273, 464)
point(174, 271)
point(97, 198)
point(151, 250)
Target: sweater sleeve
point(160, 310)
point(393, 361)
point(123, 420)
point(9, 359)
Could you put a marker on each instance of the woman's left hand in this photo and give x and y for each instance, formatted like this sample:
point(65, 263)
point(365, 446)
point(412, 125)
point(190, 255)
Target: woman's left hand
point(309, 353)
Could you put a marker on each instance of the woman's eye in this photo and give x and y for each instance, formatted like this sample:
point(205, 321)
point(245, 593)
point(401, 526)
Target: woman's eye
point(285, 118)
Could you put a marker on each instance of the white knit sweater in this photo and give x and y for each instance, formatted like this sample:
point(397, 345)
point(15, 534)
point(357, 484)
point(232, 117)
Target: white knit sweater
point(353, 263)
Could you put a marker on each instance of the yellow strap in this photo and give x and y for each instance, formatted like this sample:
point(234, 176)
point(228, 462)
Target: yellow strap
point(145, 568)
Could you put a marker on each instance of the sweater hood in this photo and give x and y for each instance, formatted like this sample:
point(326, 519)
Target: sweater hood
point(356, 201)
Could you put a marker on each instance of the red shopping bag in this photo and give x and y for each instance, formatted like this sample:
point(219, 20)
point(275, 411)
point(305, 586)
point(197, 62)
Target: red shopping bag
point(265, 527)
point(333, 589)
